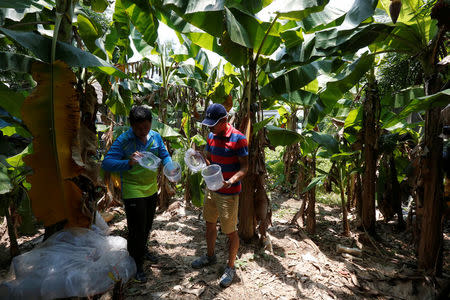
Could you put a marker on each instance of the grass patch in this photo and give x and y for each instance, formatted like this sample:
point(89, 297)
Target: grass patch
point(323, 197)
point(275, 172)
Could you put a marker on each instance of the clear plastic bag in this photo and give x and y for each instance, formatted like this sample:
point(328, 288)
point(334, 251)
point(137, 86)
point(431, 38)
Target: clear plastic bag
point(194, 160)
point(100, 225)
point(149, 160)
point(172, 170)
point(76, 262)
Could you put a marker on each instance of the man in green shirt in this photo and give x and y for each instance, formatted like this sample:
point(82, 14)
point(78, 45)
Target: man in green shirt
point(139, 184)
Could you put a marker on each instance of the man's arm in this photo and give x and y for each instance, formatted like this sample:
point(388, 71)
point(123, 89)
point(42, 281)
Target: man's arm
point(114, 160)
point(243, 161)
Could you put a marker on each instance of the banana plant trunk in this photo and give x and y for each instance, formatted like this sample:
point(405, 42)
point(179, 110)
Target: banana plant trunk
point(254, 207)
point(430, 256)
point(165, 190)
point(311, 209)
point(371, 113)
point(292, 153)
point(431, 237)
point(10, 223)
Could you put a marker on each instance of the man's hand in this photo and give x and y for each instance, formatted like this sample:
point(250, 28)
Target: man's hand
point(134, 158)
point(227, 183)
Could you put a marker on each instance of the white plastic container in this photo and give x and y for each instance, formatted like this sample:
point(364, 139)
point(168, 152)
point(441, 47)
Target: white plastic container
point(213, 177)
point(172, 170)
point(194, 160)
point(149, 160)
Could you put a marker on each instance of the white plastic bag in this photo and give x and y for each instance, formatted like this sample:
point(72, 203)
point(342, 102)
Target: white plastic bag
point(100, 226)
point(76, 262)
point(149, 160)
point(194, 160)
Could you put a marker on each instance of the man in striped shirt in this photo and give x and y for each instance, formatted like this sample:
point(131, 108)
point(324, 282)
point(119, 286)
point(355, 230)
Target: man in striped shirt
point(226, 147)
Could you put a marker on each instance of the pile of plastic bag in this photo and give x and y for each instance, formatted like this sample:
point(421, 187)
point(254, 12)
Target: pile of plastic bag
point(76, 262)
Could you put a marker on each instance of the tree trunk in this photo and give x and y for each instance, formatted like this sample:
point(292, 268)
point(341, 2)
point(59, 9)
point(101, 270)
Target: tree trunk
point(165, 191)
point(66, 7)
point(311, 210)
point(10, 223)
point(292, 152)
point(345, 226)
point(430, 244)
point(371, 112)
point(253, 201)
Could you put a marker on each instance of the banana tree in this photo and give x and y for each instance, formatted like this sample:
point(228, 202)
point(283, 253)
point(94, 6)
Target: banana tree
point(63, 183)
point(421, 34)
point(14, 141)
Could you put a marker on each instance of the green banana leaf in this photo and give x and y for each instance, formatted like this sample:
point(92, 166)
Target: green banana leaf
point(298, 77)
point(300, 97)
point(17, 10)
point(259, 125)
point(99, 5)
point(282, 137)
point(74, 57)
point(15, 62)
point(402, 98)
point(142, 17)
point(314, 182)
point(164, 130)
point(5, 183)
point(204, 14)
point(419, 104)
point(195, 184)
point(332, 15)
point(249, 6)
point(298, 10)
point(330, 42)
point(11, 101)
point(326, 141)
point(91, 33)
point(336, 88)
point(247, 31)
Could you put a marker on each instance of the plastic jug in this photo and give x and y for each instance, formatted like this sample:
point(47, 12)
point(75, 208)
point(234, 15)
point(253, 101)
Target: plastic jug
point(149, 160)
point(194, 160)
point(172, 170)
point(213, 177)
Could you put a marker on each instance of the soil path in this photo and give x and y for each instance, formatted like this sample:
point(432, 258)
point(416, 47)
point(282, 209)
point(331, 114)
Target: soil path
point(296, 266)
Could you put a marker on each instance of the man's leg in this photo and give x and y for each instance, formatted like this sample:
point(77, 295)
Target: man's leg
point(210, 215)
point(233, 239)
point(151, 208)
point(211, 236)
point(136, 222)
point(228, 211)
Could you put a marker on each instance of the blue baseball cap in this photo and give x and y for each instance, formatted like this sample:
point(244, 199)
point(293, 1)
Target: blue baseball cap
point(214, 113)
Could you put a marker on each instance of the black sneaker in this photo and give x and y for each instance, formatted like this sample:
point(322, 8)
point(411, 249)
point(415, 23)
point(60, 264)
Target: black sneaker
point(151, 257)
point(140, 277)
point(204, 261)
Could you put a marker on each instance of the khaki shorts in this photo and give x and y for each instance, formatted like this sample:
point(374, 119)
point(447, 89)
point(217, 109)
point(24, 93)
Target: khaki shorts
point(224, 207)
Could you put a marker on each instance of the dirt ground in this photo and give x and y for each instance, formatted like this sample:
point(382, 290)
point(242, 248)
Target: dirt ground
point(296, 266)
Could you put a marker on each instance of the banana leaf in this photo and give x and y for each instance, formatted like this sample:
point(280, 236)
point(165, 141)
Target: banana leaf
point(52, 114)
point(282, 137)
point(74, 57)
point(419, 104)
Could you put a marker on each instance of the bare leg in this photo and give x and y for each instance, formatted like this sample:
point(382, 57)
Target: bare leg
point(211, 235)
point(233, 247)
